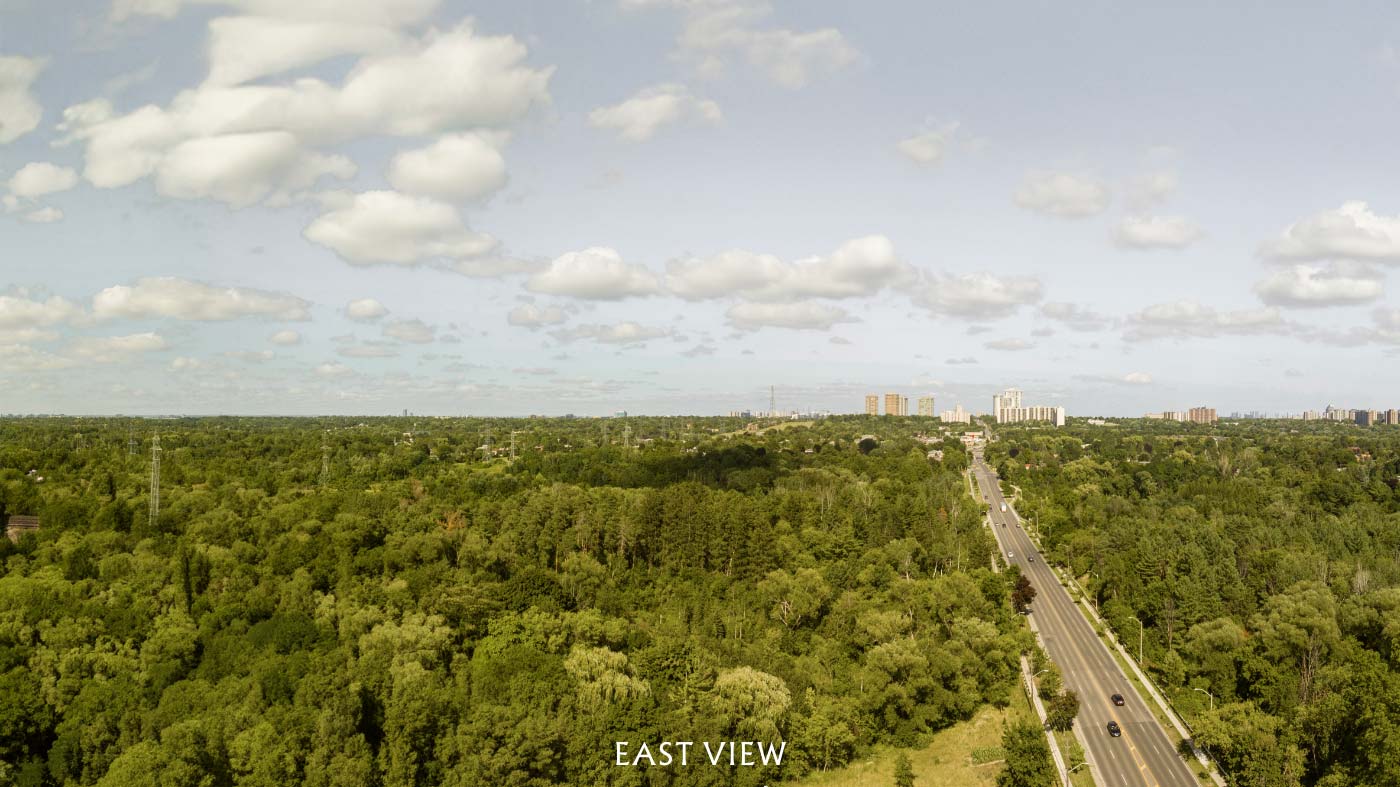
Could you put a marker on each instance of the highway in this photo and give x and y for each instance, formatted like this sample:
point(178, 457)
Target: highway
point(1145, 755)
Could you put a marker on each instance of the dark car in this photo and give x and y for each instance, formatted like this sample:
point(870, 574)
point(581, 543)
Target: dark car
point(1117, 699)
point(1114, 729)
point(1031, 558)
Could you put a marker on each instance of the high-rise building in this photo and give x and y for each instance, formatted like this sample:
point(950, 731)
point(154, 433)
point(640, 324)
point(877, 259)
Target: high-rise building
point(957, 415)
point(1392, 417)
point(1007, 409)
point(926, 406)
point(1366, 417)
point(896, 404)
point(1201, 415)
point(872, 404)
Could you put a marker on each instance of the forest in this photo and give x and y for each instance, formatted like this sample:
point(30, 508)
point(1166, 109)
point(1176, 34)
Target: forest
point(1259, 562)
point(400, 602)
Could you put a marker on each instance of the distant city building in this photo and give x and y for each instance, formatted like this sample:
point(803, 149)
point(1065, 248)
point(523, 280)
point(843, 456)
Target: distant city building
point(1007, 409)
point(620, 414)
point(926, 406)
point(1392, 417)
point(1201, 415)
point(872, 404)
point(896, 404)
point(1365, 417)
point(957, 415)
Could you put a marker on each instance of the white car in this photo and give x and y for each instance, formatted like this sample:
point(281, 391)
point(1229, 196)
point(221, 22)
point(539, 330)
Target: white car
point(1009, 555)
point(1003, 508)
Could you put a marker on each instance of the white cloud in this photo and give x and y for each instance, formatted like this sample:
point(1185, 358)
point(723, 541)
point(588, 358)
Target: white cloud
point(596, 273)
point(20, 312)
point(1151, 190)
point(186, 364)
point(46, 215)
point(368, 350)
point(447, 81)
point(107, 349)
point(1338, 284)
point(182, 299)
point(454, 168)
point(718, 31)
point(389, 227)
point(1062, 194)
point(620, 333)
point(365, 309)
point(15, 358)
point(1156, 232)
point(976, 295)
point(19, 112)
point(797, 316)
point(373, 12)
point(285, 338)
point(244, 48)
point(639, 118)
point(333, 369)
point(1137, 378)
point(251, 356)
point(1074, 316)
point(415, 331)
point(244, 169)
point(928, 147)
point(1192, 319)
point(859, 267)
point(40, 178)
point(1008, 345)
point(529, 315)
point(1352, 232)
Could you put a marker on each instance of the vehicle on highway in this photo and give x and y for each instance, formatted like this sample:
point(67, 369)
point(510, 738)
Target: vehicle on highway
point(1009, 555)
point(1114, 729)
point(1117, 699)
point(1031, 558)
point(1003, 508)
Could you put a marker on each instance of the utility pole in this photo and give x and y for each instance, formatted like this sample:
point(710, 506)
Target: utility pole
point(772, 402)
point(325, 461)
point(130, 441)
point(513, 433)
point(155, 481)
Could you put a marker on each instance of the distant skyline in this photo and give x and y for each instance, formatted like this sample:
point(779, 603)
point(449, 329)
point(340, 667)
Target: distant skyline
point(667, 206)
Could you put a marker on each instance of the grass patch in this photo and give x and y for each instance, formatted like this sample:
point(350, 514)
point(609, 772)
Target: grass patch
point(967, 754)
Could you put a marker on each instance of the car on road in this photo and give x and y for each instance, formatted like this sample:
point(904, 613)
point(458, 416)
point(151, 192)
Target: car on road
point(1003, 508)
point(1117, 699)
point(1114, 729)
point(1031, 558)
point(1010, 555)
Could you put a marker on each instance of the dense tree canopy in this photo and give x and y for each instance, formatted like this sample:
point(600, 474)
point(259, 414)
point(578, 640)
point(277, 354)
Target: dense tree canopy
point(384, 602)
point(1263, 559)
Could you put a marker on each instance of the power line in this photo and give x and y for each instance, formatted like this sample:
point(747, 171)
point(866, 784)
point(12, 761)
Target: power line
point(155, 481)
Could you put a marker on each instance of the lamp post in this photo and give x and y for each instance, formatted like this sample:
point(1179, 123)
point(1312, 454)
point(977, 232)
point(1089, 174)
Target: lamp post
point(1208, 694)
point(1139, 622)
point(1095, 575)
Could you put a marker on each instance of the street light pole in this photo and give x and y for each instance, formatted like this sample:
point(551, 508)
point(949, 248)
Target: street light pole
point(1208, 694)
point(1139, 622)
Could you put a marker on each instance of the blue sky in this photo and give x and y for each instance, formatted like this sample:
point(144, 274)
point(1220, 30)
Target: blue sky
point(666, 206)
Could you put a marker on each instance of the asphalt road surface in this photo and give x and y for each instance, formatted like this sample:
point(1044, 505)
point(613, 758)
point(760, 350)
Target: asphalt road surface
point(1145, 756)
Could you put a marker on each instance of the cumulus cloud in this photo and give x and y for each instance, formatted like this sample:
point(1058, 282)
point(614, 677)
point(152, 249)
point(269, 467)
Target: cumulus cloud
point(639, 118)
point(40, 178)
point(1150, 190)
point(980, 295)
point(1156, 232)
point(1074, 316)
point(717, 32)
point(454, 80)
point(368, 350)
point(182, 299)
point(859, 267)
point(365, 310)
point(333, 369)
point(1337, 284)
point(44, 215)
point(389, 227)
point(1351, 232)
point(620, 333)
point(1137, 378)
point(456, 167)
point(373, 12)
point(19, 112)
point(1191, 319)
point(928, 148)
point(529, 315)
point(108, 349)
point(797, 316)
point(285, 338)
point(597, 273)
point(17, 358)
point(1008, 345)
point(245, 48)
point(1062, 194)
point(18, 312)
point(414, 331)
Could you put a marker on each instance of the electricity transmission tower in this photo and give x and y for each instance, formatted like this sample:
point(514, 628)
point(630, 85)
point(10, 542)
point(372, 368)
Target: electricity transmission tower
point(627, 436)
point(513, 433)
point(130, 441)
point(155, 481)
point(325, 461)
point(486, 445)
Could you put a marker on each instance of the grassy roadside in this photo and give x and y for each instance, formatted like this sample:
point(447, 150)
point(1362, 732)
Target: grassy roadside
point(947, 760)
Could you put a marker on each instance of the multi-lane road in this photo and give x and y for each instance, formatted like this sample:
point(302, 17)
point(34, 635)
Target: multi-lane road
point(1144, 756)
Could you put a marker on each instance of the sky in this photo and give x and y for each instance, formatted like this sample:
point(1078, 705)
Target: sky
point(668, 206)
